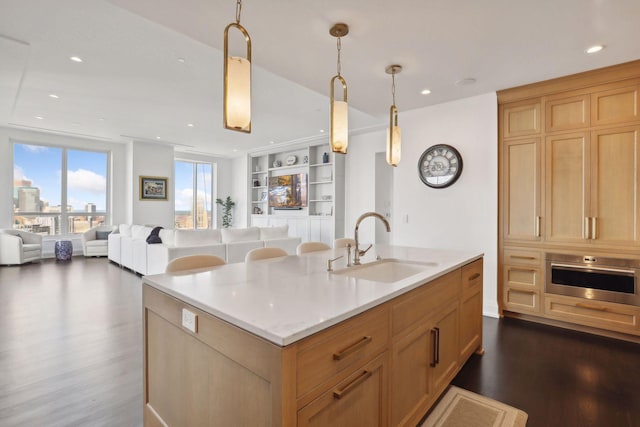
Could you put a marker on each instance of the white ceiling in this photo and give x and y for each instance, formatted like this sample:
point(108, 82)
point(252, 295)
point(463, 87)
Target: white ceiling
point(131, 85)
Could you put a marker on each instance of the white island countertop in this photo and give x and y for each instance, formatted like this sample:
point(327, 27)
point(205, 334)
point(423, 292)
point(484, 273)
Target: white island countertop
point(286, 299)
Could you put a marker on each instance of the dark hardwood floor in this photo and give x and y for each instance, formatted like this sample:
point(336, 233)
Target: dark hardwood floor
point(559, 377)
point(70, 355)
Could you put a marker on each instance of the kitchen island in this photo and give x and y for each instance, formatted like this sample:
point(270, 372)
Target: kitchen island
point(284, 342)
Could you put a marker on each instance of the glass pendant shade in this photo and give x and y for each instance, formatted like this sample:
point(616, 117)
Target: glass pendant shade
point(394, 145)
point(237, 108)
point(339, 127)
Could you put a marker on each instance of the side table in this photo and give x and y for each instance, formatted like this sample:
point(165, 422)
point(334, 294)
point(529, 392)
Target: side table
point(63, 250)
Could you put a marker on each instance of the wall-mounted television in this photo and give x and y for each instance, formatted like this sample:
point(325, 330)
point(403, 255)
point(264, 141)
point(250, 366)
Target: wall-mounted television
point(288, 191)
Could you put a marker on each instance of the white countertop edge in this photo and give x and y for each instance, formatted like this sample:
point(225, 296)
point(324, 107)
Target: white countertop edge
point(413, 282)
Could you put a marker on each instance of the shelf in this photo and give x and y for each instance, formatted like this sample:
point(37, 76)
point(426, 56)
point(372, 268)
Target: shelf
point(259, 187)
point(315, 165)
point(258, 172)
point(258, 201)
point(301, 165)
point(321, 200)
point(320, 182)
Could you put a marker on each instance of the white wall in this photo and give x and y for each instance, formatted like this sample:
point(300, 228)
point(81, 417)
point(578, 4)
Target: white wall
point(120, 206)
point(463, 216)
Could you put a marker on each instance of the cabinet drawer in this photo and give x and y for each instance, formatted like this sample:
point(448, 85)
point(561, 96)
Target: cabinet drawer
point(609, 316)
point(321, 357)
point(424, 301)
point(522, 257)
point(472, 278)
point(523, 276)
point(521, 300)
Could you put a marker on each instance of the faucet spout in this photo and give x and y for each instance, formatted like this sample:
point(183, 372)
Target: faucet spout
point(357, 252)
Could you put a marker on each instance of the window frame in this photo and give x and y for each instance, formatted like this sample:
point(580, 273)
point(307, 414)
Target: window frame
point(194, 198)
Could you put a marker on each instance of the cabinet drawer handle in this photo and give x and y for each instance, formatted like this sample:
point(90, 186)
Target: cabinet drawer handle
point(353, 347)
point(594, 228)
point(586, 234)
point(435, 334)
point(591, 307)
point(339, 394)
point(522, 257)
point(474, 277)
point(538, 226)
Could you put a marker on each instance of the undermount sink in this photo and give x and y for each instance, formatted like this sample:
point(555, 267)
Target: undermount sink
point(386, 270)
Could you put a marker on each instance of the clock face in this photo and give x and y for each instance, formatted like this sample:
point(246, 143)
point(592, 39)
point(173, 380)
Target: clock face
point(440, 166)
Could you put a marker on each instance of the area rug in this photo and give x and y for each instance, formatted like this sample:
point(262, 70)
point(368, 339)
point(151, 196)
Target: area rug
point(462, 408)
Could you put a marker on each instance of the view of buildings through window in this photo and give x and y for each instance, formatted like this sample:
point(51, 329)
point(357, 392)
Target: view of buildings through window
point(193, 184)
point(57, 190)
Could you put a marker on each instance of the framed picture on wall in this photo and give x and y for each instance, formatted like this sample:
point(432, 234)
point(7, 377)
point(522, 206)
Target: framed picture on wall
point(153, 188)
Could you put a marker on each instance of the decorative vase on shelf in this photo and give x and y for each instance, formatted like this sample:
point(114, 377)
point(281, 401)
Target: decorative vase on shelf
point(325, 158)
point(277, 163)
point(305, 159)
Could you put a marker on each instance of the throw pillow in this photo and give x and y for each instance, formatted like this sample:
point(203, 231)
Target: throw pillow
point(154, 236)
point(102, 235)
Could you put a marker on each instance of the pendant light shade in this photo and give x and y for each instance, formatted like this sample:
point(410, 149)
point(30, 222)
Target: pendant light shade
point(394, 134)
point(339, 135)
point(237, 82)
point(394, 138)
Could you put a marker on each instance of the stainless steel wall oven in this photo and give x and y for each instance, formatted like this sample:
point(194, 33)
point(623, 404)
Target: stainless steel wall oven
point(595, 278)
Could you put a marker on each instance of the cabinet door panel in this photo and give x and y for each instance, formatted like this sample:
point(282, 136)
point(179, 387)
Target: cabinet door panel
point(360, 400)
point(614, 185)
point(615, 106)
point(448, 348)
point(567, 113)
point(522, 189)
point(566, 190)
point(521, 120)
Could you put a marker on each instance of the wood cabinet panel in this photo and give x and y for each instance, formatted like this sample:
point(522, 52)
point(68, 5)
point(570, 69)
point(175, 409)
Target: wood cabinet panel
point(448, 348)
point(615, 106)
point(521, 120)
point(361, 399)
point(522, 257)
point(615, 177)
point(522, 189)
point(598, 314)
point(338, 349)
point(521, 300)
point(566, 191)
point(567, 113)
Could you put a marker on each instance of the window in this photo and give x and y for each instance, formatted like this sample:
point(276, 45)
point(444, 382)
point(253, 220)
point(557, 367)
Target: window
point(58, 190)
point(193, 184)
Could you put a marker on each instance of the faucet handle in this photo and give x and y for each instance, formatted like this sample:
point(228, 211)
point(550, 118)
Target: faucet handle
point(364, 251)
point(329, 261)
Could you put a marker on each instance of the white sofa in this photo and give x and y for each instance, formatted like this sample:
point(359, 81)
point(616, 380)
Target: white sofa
point(19, 247)
point(128, 246)
point(93, 243)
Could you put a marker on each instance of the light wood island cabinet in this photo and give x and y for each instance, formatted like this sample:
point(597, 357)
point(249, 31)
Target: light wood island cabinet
point(383, 367)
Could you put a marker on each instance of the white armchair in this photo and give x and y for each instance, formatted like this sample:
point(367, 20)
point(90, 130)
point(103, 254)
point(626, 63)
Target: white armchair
point(95, 240)
point(19, 247)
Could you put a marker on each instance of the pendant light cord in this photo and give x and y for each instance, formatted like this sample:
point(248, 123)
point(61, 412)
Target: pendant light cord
point(238, 11)
point(393, 87)
point(339, 44)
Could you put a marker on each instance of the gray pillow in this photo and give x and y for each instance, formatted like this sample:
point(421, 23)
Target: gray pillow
point(102, 235)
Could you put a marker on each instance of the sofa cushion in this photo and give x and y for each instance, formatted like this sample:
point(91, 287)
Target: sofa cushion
point(125, 229)
point(167, 236)
point(281, 232)
point(102, 235)
point(140, 231)
point(184, 238)
point(240, 234)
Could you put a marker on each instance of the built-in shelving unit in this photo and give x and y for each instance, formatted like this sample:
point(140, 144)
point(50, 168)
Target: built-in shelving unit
point(322, 219)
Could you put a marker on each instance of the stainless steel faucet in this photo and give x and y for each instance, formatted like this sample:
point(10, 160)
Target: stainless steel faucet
point(357, 252)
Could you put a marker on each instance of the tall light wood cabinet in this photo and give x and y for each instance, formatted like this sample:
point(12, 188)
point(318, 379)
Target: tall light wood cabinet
point(569, 179)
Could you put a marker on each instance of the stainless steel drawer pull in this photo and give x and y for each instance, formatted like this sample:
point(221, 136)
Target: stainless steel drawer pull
point(352, 348)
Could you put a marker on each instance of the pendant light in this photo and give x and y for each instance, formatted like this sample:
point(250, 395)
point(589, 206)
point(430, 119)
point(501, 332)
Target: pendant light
point(237, 81)
point(393, 133)
point(339, 136)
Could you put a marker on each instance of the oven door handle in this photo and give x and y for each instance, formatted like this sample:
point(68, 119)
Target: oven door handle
point(595, 269)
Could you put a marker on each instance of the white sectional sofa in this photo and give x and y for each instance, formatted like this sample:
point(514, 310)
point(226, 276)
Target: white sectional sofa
point(128, 246)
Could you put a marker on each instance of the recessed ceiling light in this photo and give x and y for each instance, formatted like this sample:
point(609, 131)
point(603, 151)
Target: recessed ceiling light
point(157, 137)
point(101, 119)
point(39, 117)
point(425, 92)
point(190, 125)
point(181, 60)
point(235, 150)
point(75, 124)
point(272, 142)
point(321, 130)
point(53, 95)
point(594, 49)
point(75, 58)
point(465, 82)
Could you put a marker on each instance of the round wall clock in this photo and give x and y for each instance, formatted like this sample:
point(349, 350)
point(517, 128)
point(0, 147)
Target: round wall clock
point(440, 166)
